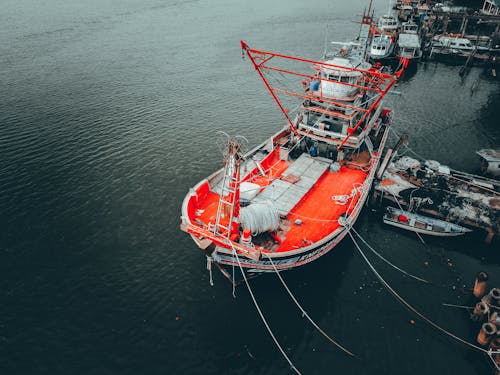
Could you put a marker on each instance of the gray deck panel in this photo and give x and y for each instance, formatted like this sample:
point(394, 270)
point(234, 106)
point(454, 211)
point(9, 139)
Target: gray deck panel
point(285, 195)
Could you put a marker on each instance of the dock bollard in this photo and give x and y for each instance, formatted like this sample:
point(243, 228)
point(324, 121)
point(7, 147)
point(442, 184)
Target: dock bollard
point(495, 319)
point(495, 341)
point(480, 310)
point(480, 284)
point(486, 332)
point(495, 297)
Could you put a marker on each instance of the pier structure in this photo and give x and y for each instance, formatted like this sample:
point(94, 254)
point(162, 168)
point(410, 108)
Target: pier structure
point(434, 190)
point(471, 26)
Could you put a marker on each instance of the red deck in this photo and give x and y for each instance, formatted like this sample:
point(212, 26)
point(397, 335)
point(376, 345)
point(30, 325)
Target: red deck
point(317, 210)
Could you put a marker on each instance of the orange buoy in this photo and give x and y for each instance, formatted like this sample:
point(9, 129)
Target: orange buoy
point(480, 284)
point(246, 238)
point(486, 332)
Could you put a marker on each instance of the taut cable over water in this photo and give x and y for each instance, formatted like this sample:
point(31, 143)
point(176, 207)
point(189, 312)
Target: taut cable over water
point(387, 261)
point(411, 308)
point(305, 314)
point(261, 314)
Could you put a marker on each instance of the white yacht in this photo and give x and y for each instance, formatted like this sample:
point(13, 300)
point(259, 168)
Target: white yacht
point(382, 46)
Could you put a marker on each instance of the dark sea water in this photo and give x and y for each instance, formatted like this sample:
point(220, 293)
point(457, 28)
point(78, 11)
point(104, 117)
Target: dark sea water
point(108, 111)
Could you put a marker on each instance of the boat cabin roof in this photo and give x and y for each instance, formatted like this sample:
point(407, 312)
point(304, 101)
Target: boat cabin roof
point(409, 27)
point(408, 41)
point(344, 62)
point(381, 40)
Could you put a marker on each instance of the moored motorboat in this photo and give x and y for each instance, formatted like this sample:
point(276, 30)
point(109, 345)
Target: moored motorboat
point(422, 224)
point(293, 198)
point(409, 45)
point(384, 37)
point(382, 46)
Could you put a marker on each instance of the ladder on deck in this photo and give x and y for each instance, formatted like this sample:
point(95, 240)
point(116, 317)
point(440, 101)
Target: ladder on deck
point(228, 206)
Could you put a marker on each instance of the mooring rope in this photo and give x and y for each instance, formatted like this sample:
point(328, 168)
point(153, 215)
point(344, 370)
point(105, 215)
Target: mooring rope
point(233, 282)
point(426, 246)
point(305, 314)
point(490, 354)
point(411, 308)
point(262, 315)
point(387, 261)
point(458, 306)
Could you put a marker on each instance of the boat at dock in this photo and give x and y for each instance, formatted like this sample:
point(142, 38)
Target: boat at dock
point(490, 161)
point(382, 46)
point(434, 190)
point(384, 37)
point(409, 44)
point(422, 224)
point(457, 46)
point(293, 198)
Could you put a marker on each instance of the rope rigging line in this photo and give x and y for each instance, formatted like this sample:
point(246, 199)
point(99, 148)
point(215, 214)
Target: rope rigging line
point(387, 261)
point(292, 366)
point(401, 208)
point(490, 354)
point(410, 307)
point(305, 314)
point(233, 282)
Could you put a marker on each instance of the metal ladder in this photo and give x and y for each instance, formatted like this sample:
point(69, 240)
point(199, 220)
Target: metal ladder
point(227, 192)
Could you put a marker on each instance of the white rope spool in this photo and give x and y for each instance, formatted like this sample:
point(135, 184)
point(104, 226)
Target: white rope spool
point(260, 217)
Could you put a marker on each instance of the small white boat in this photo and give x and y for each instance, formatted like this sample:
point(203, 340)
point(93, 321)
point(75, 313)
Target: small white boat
point(490, 160)
point(454, 44)
point(422, 224)
point(382, 46)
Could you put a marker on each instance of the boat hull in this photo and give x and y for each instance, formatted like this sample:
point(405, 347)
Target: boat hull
point(223, 254)
point(423, 231)
point(422, 224)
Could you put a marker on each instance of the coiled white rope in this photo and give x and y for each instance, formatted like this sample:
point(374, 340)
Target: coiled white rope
point(411, 308)
point(260, 217)
point(304, 313)
point(261, 314)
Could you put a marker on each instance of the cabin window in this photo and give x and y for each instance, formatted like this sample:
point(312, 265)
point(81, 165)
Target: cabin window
point(344, 79)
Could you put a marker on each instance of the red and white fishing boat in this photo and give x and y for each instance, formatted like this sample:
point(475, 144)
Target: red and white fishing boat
point(293, 198)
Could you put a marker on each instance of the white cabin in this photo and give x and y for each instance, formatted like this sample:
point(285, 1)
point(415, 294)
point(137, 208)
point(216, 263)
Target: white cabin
point(388, 23)
point(491, 7)
point(329, 74)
